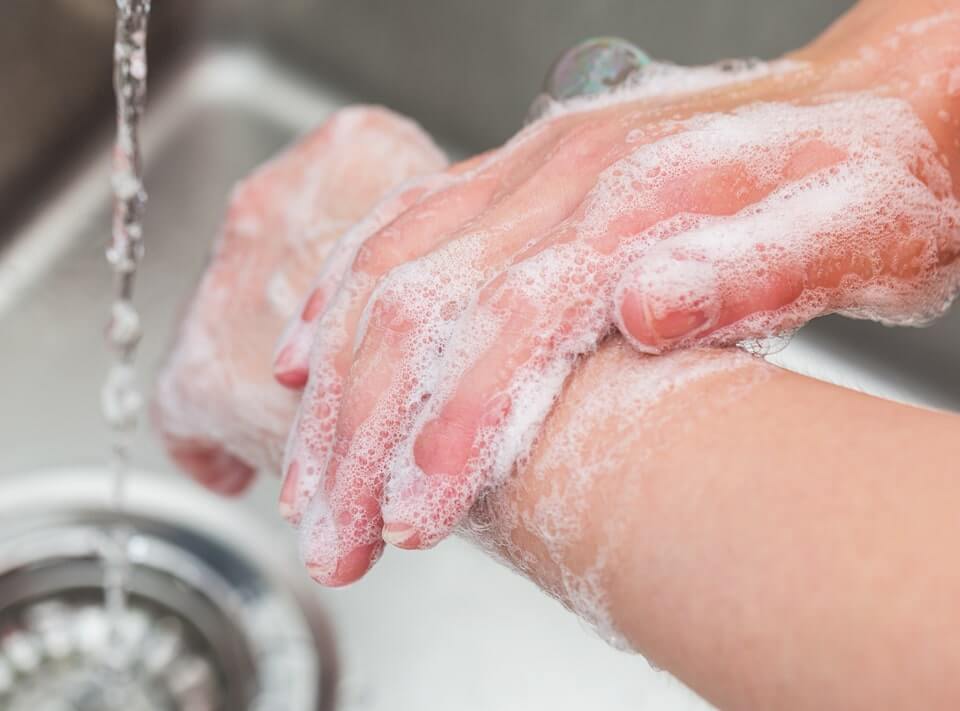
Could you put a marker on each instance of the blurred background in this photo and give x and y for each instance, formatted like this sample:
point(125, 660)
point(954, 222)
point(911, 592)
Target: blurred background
point(466, 70)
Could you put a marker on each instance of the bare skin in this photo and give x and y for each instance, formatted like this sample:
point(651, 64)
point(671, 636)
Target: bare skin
point(221, 412)
point(759, 537)
point(508, 218)
point(800, 554)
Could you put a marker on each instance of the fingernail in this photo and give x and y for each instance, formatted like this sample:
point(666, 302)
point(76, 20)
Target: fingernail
point(680, 323)
point(634, 322)
point(321, 571)
point(355, 564)
point(287, 371)
point(322, 562)
point(666, 300)
point(318, 548)
point(335, 573)
point(288, 494)
point(675, 326)
point(400, 535)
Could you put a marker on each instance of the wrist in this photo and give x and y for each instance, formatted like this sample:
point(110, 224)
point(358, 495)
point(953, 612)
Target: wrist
point(579, 516)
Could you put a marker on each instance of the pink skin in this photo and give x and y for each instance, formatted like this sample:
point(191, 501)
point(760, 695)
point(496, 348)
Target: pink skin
point(469, 250)
point(218, 408)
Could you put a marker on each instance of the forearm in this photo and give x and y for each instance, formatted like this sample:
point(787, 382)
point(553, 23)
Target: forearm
point(774, 541)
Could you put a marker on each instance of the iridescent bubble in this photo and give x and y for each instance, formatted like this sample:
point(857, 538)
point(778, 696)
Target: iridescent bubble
point(592, 67)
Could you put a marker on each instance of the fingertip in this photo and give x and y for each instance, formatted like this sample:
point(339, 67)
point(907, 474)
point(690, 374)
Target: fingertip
point(294, 379)
point(291, 360)
point(291, 366)
point(355, 564)
point(288, 370)
point(212, 467)
point(235, 480)
point(348, 569)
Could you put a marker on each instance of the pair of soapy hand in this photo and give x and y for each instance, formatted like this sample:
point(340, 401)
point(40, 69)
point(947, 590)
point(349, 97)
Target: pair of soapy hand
point(433, 313)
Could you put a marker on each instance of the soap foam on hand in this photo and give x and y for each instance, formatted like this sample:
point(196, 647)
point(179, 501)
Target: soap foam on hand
point(437, 432)
point(221, 413)
point(567, 291)
point(779, 189)
point(872, 236)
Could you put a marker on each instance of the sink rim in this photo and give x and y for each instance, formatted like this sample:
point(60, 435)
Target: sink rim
point(275, 587)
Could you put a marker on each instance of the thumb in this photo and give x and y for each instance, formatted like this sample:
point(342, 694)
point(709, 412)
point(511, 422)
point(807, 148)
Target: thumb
point(669, 300)
point(883, 250)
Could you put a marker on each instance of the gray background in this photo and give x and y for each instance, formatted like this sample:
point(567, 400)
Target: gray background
point(467, 69)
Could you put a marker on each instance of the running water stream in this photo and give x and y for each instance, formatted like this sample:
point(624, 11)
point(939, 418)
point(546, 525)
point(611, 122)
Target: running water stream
point(121, 399)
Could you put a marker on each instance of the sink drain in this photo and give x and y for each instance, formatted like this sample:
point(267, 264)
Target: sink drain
point(55, 653)
point(215, 620)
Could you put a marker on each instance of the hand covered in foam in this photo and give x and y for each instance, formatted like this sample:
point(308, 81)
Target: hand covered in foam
point(696, 206)
point(221, 412)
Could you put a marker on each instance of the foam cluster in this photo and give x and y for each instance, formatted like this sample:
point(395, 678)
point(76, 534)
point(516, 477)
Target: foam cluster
point(216, 393)
point(618, 414)
point(661, 80)
point(718, 207)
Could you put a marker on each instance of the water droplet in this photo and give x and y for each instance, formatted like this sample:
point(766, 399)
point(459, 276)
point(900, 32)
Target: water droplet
point(124, 330)
point(120, 399)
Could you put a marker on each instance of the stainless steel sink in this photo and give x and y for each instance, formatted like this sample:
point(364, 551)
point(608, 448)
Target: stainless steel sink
point(214, 618)
point(438, 630)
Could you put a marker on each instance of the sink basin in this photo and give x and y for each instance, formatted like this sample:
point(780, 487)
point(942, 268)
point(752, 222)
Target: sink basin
point(214, 618)
point(442, 629)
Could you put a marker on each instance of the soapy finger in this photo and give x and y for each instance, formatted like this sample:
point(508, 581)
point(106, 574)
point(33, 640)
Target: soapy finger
point(429, 222)
point(879, 248)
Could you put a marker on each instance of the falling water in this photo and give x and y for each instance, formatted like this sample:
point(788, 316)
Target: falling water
point(121, 400)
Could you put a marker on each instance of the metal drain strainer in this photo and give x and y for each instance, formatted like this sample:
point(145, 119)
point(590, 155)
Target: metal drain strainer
point(60, 654)
point(214, 620)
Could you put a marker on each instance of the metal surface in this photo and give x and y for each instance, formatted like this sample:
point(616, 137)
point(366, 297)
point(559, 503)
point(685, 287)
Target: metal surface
point(215, 620)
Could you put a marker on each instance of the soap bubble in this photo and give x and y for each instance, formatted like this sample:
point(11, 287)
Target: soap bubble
point(592, 67)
